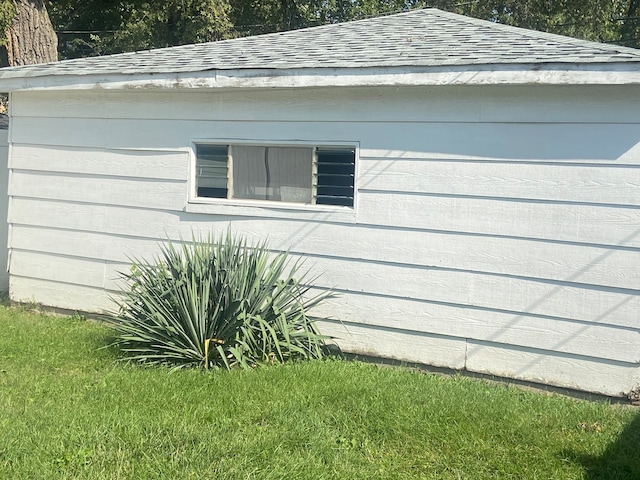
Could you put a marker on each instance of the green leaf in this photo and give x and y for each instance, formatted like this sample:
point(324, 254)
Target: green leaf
point(250, 301)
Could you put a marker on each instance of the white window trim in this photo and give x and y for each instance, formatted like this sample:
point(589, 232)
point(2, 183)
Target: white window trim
point(270, 208)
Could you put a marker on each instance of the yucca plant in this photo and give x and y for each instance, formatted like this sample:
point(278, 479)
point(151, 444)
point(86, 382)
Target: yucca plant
point(217, 303)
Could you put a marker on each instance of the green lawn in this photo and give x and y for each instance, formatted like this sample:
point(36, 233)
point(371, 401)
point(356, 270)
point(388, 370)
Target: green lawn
point(68, 410)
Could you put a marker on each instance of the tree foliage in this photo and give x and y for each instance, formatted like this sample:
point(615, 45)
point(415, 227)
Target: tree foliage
point(7, 13)
point(597, 20)
point(123, 26)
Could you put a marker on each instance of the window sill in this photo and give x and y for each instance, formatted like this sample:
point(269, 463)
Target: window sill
point(266, 209)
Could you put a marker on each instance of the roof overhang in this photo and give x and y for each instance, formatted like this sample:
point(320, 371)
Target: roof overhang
point(530, 74)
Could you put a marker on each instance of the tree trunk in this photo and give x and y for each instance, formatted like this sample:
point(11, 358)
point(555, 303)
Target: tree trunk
point(31, 38)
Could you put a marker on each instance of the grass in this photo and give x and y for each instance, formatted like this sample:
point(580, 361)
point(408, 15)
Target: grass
point(68, 410)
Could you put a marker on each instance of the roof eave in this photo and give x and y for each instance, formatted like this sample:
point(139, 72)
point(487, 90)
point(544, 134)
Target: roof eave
point(493, 74)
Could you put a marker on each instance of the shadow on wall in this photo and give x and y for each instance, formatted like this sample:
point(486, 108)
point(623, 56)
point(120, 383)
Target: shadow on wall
point(620, 461)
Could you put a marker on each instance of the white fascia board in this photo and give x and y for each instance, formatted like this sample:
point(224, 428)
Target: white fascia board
point(552, 74)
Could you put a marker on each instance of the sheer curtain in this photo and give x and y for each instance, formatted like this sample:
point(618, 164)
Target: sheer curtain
point(272, 173)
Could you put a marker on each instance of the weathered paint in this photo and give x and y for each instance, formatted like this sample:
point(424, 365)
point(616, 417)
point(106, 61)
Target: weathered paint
point(491, 74)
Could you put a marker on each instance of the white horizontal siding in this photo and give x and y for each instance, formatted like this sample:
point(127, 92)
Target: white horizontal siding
point(513, 142)
point(512, 104)
point(571, 301)
point(437, 350)
point(516, 329)
point(488, 221)
point(568, 183)
point(108, 190)
point(586, 224)
point(52, 213)
point(611, 378)
point(473, 310)
point(543, 220)
point(142, 164)
point(77, 271)
point(596, 265)
point(4, 205)
point(61, 295)
point(582, 373)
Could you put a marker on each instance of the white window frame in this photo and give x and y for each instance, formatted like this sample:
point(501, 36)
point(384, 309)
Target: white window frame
point(279, 209)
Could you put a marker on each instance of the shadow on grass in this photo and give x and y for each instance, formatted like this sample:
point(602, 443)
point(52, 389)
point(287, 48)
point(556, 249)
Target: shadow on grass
point(621, 459)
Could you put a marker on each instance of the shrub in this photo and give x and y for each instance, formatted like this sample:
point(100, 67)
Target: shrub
point(216, 303)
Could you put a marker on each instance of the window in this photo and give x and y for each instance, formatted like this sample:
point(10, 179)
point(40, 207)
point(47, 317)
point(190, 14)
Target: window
point(296, 174)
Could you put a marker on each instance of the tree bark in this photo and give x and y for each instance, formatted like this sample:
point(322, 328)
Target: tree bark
point(31, 38)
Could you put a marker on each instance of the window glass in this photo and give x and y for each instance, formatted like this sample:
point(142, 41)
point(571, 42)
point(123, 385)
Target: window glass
point(336, 176)
point(211, 171)
point(296, 174)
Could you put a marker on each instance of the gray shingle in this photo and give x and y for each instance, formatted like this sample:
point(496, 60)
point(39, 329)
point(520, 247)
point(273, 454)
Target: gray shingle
point(419, 38)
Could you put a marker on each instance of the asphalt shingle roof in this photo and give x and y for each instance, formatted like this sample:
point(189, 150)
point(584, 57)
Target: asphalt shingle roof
point(419, 38)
